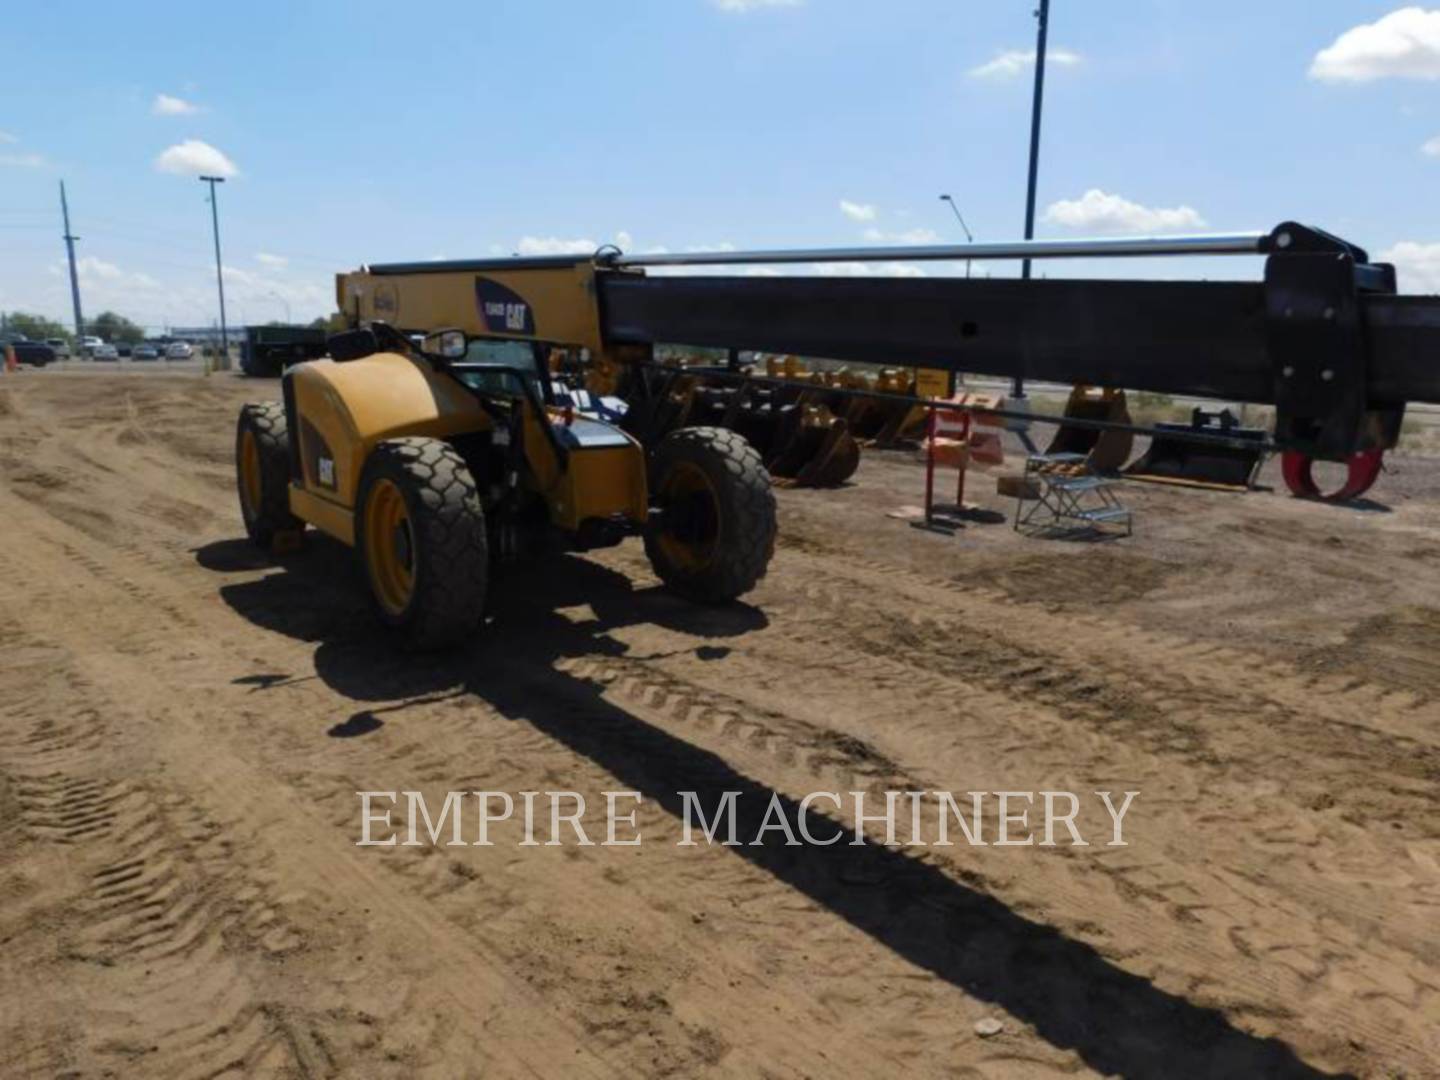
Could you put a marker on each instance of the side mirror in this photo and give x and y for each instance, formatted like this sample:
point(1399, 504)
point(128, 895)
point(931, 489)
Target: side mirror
point(449, 344)
point(353, 344)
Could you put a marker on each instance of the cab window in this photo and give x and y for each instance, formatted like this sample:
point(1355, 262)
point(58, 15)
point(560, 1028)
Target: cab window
point(521, 355)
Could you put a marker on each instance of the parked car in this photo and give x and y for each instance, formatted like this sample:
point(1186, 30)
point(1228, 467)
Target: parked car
point(145, 351)
point(60, 346)
point(104, 351)
point(88, 345)
point(179, 350)
point(34, 353)
point(123, 348)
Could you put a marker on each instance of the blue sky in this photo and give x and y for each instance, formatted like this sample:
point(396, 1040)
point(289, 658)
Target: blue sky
point(363, 132)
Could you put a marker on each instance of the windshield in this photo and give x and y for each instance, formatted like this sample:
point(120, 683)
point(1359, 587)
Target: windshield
point(514, 354)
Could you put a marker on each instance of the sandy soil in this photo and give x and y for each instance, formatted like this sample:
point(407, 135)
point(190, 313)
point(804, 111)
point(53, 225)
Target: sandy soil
point(184, 725)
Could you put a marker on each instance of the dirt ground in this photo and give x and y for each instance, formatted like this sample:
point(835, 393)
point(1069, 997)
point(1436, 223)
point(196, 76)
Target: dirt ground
point(185, 723)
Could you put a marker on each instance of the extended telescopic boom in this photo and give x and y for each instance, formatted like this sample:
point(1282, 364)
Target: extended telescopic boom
point(1322, 337)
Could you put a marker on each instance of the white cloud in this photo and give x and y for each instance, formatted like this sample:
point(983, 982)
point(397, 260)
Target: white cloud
point(166, 105)
point(1404, 45)
point(868, 269)
point(908, 236)
point(89, 265)
point(111, 283)
point(6, 137)
point(1014, 62)
point(195, 158)
point(1417, 266)
point(553, 245)
point(742, 6)
point(857, 211)
point(1431, 147)
point(272, 262)
point(1099, 212)
point(23, 161)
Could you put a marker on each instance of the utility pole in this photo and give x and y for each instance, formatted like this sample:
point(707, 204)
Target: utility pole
point(219, 275)
point(1042, 13)
point(74, 279)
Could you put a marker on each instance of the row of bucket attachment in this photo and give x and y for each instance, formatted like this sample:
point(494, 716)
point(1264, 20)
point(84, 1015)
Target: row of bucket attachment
point(811, 429)
point(1174, 456)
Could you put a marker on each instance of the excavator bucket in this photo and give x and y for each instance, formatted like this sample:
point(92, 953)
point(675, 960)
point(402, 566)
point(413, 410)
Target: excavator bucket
point(1174, 459)
point(1105, 451)
point(795, 433)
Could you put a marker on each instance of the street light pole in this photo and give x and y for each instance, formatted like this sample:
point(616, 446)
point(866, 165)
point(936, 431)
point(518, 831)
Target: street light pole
point(277, 295)
point(219, 275)
point(963, 227)
point(74, 279)
point(1042, 13)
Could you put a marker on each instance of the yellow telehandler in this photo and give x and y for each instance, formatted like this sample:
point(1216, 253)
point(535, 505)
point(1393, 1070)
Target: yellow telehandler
point(434, 453)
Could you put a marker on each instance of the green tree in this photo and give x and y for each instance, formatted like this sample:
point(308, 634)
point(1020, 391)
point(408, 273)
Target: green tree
point(35, 327)
point(333, 323)
point(116, 328)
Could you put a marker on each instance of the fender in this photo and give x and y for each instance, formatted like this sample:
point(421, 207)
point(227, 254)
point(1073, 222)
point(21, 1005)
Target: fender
point(341, 410)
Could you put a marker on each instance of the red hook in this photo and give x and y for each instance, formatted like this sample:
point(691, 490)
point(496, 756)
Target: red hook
point(1363, 467)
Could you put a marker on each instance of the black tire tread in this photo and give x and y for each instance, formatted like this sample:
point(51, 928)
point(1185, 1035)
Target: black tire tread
point(748, 514)
point(272, 437)
point(452, 550)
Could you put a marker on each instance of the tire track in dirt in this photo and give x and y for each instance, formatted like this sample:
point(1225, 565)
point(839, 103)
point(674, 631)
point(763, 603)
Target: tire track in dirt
point(1165, 693)
point(682, 1042)
point(1220, 919)
point(690, 987)
point(621, 1025)
point(148, 896)
point(1133, 907)
point(170, 925)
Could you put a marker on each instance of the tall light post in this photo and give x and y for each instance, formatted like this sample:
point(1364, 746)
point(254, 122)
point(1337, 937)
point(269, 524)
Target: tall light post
point(963, 227)
point(74, 278)
point(219, 274)
point(277, 295)
point(1042, 13)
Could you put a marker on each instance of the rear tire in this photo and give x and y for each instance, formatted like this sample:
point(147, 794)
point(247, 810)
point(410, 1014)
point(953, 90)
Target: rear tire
point(420, 534)
point(262, 474)
point(715, 533)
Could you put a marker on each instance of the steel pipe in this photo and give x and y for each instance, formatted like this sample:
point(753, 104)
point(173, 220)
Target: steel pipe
point(1249, 243)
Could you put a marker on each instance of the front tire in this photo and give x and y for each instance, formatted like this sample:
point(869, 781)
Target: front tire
point(420, 534)
point(715, 533)
point(262, 474)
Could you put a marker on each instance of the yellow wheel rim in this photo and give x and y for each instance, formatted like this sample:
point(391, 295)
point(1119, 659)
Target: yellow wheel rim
point(690, 539)
point(250, 474)
point(389, 547)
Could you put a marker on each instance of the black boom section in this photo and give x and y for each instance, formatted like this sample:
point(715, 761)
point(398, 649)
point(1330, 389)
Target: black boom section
point(1205, 339)
point(1403, 333)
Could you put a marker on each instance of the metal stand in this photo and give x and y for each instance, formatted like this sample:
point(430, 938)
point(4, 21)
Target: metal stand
point(1067, 497)
point(947, 426)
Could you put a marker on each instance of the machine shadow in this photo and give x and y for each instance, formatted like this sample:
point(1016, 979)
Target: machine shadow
point(318, 594)
point(1073, 997)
